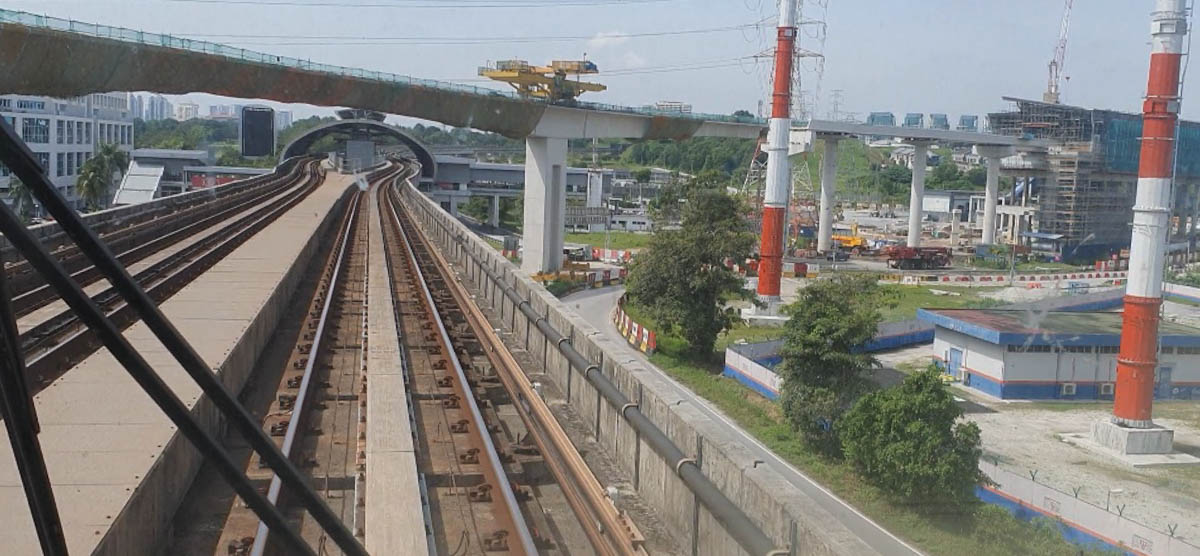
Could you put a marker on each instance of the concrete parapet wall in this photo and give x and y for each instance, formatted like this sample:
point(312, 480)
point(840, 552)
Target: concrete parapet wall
point(787, 515)
point(143, 524)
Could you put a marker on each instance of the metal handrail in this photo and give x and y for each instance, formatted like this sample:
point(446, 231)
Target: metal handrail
point(205, 47)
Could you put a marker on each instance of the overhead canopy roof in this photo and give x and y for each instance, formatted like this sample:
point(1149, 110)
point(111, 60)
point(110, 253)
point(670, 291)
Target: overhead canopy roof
point(362, 128)
point(139, 184)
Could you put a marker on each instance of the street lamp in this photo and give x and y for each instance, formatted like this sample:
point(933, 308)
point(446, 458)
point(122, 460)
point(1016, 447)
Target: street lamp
point(1111, 492)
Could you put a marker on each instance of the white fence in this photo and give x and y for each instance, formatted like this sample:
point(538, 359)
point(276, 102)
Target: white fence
point(1083, 518)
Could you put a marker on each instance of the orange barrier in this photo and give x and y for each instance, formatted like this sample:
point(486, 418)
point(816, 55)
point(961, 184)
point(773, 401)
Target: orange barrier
point(641, 338)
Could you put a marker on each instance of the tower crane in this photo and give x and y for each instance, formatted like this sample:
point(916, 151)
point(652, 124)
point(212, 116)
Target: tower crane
point(1060, 53)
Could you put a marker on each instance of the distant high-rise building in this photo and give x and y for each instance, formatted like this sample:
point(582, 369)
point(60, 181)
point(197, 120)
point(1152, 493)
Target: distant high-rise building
point(64, 133)
point(222, 112)
point(185, 111)
point(283, 119)
point(158, 108)
point(137, 107)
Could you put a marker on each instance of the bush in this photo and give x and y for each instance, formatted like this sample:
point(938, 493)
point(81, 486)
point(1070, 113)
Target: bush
point(907, 440)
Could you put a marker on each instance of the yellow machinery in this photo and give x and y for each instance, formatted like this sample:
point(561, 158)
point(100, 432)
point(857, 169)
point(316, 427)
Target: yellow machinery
point(852, 241)
point(550, 83)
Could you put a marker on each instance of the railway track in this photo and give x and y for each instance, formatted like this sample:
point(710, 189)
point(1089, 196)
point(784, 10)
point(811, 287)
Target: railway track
point(143, 237)
point(499, 476)
point(136, 235)
point(55, 342)
point(316, 414)
point(483, 425)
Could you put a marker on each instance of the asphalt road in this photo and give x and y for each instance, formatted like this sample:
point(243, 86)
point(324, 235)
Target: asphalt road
point(596, 307)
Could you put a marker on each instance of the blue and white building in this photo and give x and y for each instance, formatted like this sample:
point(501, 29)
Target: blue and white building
point(1011, 354)
point(64, 133)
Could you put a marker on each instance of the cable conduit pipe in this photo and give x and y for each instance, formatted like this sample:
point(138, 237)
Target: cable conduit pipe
point(736, 522)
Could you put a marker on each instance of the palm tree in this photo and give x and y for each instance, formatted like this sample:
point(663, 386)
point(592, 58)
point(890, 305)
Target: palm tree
point(96, 176)
point(22, 198)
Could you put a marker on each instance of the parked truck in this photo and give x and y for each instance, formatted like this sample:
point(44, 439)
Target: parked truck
point(917, 258)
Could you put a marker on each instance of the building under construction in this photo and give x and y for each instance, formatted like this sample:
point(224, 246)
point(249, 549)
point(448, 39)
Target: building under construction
point(1085, 189)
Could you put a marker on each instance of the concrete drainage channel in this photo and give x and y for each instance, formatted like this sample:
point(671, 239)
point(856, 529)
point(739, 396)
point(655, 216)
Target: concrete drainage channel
point(716, 498)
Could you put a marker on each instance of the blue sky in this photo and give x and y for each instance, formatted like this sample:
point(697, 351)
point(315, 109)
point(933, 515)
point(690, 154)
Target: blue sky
point(952, 56)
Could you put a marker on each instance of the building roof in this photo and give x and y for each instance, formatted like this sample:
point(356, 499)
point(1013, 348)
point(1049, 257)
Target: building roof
point(176, 154)
point(139, 184)
point(229, 170)
point(1064, 328)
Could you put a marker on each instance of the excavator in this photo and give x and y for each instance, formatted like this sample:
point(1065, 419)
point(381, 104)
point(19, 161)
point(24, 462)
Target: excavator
point(551, 83)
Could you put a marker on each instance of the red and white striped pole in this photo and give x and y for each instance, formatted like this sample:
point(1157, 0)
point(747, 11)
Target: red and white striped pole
point(1134, 397)
point(770, 266)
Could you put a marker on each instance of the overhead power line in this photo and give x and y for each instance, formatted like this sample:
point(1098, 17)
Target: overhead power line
point(355, 40)
point(426, 4)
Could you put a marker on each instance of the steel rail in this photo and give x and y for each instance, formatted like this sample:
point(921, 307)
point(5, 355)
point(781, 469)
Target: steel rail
point(32, 299)
point(20, 160)
point(289, 438)
point(504, 486)
point(183, 266)
point(735, 521)
point(118, 233)
point(599, 518)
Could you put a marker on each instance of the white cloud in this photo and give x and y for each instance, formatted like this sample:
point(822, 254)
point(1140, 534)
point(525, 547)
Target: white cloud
point(606, 39)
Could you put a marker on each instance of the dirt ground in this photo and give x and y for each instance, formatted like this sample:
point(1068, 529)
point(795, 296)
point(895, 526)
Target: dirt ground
point(1025, 295)
point(1023, 438)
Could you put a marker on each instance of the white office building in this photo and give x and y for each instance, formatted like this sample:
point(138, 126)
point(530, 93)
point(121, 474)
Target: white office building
point(283, 120)
point(63, 133)
point(185, 111)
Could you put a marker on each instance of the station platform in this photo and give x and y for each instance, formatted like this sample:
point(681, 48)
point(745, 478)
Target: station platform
point(118, 467)
point(395, 523)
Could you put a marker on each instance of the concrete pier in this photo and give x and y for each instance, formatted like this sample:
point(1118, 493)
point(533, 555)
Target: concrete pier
point(828, 185)
point(993, 154)
point(545, 204)
point(917, 195)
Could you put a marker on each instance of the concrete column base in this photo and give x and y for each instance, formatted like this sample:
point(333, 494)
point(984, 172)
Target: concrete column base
point(1152, 447)
point(771, 314)
point(1127, 441)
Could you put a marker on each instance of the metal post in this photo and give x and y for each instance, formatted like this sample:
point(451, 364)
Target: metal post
point(20, 161)
point(20, 420)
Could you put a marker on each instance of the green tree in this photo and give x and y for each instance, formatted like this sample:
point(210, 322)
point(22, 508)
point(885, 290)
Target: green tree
point(22, 198)
point(822, 369)
point(908, 440)
point(977, 176)
point(96, 177)
point(681, 281)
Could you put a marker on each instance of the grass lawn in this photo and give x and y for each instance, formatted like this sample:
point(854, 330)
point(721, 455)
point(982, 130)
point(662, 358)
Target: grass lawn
point(911, 298)
point(983, 531)
point(616, 240)
point(495, 243)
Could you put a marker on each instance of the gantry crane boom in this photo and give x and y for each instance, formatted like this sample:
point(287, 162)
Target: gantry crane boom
point(1060, 54)
point(551, 82)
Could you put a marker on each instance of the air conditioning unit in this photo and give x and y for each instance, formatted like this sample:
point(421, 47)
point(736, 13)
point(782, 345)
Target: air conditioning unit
point(1068, 389)
point(1107, 389)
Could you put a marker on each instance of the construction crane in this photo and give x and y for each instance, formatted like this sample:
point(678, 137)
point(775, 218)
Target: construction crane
point(550, 83)
point(1060, 54)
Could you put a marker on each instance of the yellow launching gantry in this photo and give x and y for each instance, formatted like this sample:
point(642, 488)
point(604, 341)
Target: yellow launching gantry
point(550, 83)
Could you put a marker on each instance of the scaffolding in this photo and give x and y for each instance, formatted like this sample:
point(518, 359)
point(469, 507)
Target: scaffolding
point(1088, 193)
